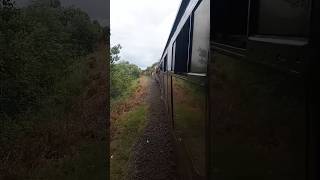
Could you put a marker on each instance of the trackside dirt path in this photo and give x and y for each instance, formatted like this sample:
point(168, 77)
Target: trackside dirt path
point(137, 98)
point(152, 156)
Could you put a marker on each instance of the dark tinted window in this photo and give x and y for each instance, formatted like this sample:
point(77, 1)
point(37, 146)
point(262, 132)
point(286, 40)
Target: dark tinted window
point(230, 22)
point(182, 49)
point(161, 66)
point(282, 17)
point(201, 38)
point(165, 63)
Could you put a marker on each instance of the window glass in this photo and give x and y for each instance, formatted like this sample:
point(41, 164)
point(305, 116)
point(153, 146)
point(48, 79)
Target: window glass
point(173, 54)
point(169, 58)
point(283, 17)
point(182, 49)
point(230, 22)
point(201, 38)
point(165, 63)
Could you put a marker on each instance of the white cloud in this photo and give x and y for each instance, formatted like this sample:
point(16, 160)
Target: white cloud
point(142, 28)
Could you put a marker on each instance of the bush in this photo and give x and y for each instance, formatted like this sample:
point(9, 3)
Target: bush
point(122, 75)
point(43, 72)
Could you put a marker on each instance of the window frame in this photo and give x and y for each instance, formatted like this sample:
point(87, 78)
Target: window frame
point(161, 66)
point(190, 45)
point(253, 34)
point(213, 30)
point(174, 48)
point(191, 40)
point(165, 63)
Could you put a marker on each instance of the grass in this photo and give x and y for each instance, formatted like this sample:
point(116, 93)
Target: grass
point(127, 125)
point(118, 100)
point(129, 128)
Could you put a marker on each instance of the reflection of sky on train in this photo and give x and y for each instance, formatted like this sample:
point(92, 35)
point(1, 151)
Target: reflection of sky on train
point(142, 28)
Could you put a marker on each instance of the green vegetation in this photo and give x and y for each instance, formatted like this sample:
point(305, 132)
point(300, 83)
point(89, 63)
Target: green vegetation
point(122, 74)
point(43, 74)
point(118, 101)
point(129, 111)
point(129, 126)
point(148, 71)
point(38, 45)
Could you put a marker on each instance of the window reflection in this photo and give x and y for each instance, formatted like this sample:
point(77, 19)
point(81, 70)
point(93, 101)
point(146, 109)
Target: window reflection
point(201, 38)
point(189, 120)
point(230, 22)
point(283, 17)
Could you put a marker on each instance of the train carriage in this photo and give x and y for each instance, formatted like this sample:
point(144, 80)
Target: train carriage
point(235, 79)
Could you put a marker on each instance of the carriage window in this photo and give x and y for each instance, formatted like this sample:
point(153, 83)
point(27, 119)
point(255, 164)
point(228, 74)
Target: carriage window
point(173, 55)
point(165, 64)
point(182, 49)
point(201, 38)
point(161, 66)
point(283, 17)
point(230, 22)
point(169, 58)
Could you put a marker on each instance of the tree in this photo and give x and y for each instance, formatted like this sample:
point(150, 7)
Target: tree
point(122, 73)
point(38, 44)
point(114, 53)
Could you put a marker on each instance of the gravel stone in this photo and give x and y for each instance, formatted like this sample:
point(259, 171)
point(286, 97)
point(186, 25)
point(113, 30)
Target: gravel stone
point(153, 155)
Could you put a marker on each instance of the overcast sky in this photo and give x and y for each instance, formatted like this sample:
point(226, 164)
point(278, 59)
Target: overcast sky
point(142, 28)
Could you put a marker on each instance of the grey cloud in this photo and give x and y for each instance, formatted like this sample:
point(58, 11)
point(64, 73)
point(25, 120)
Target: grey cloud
point(142, 28)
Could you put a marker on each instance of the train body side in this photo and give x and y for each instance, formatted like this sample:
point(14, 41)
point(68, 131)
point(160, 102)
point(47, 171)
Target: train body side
point(234, 77)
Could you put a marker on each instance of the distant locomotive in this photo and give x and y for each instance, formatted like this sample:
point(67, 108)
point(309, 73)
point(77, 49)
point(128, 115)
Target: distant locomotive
point(234, 79)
